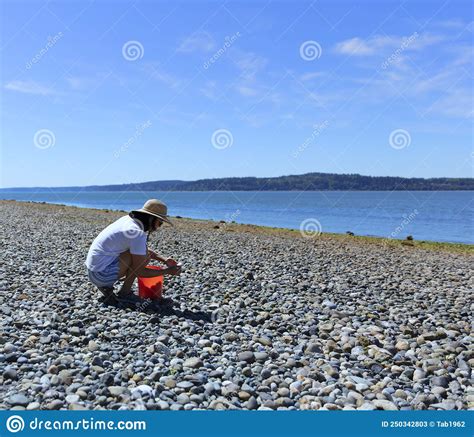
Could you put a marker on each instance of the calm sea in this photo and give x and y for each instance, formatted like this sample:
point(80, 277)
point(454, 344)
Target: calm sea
point(426, 215)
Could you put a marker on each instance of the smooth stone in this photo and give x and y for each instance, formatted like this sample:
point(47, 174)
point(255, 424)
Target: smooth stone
point(182, 398)
point(402, 345)
point(246, 356)
point(143, 389)
point(193, 363)
point(440, 381)
point(55, 405)
point(296, 387)
point(261, 356)
point(445, 405)
point(252, 403)
point(92, 346)
point(75, 330)
point(385, 405)
point(18, 399)
point(170, 383)
point(10, 373)
point(313, 348)
point(116, 390)
point(229, 389)
point(244, 396)
point(77, 407)
point(418, 375)
point(329, 304)
point(265, 341)
point(72, 398)
point(65, 376)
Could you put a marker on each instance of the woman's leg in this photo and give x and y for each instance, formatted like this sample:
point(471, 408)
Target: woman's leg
point(126, 273)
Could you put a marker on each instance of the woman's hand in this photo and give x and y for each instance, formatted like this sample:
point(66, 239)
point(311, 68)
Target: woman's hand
point(174, 270)
point(170, 262)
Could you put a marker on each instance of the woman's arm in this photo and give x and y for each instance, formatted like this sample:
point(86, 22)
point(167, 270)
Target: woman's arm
point(168, 261)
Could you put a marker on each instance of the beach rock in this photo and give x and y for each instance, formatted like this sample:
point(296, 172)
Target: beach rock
point(384, 405)
point(193, 363)
point(362, 326)
point(115, 390)
point(246, 356)
point(18, 399)
point(10, 373)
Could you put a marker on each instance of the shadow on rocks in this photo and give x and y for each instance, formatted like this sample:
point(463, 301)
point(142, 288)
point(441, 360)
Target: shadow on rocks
point(159, 311)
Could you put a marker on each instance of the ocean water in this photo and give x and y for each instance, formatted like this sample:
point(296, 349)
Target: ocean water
point(446, 216)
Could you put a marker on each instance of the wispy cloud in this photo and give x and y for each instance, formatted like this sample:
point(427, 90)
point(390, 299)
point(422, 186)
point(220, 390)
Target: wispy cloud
point(458, 104)
point(356, 47)
point(209, 90)
point(29, 87)
point(200, 41)
point(250, 64)
point(157, 73)
point(378, 44)
point(83, 82)
point(307, 77)
point(247, 90)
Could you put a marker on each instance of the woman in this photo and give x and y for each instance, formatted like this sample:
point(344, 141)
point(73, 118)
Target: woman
point(120, 251)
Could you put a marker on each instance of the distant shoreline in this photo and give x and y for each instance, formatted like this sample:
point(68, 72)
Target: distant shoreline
point(61, 190)
point(303, 182)
point(464, 248)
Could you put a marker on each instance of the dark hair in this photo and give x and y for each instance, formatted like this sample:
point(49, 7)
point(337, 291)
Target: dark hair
point(146, 219)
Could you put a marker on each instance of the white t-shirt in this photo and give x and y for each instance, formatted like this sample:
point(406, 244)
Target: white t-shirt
point(122, 235)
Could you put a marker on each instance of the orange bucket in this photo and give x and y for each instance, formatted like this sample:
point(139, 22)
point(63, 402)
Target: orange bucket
point(151, 288)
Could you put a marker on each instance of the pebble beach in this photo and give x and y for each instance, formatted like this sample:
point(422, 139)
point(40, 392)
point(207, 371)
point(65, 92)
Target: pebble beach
point(264, 320)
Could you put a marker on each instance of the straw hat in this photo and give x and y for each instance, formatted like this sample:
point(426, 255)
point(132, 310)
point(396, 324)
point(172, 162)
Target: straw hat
point(155, 208)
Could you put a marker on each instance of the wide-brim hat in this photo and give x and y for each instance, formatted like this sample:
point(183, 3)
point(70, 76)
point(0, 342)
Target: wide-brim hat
point(157, 209)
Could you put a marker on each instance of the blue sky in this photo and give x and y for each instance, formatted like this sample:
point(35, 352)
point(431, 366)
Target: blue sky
point(99, 92)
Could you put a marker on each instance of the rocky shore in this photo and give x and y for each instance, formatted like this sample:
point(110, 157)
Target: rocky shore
point(264, 320)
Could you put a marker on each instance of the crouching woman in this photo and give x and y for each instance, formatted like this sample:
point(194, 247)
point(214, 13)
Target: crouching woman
point(120, 252)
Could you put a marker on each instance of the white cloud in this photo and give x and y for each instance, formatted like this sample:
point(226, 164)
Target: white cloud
point(201, 41)
point(29, 87)
point(354, 46)
point(247, 91)
point(160, 75)
point(310, 76)
point(86, 82)
point(457, 104)
point(250, 64)
point(380, 43)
